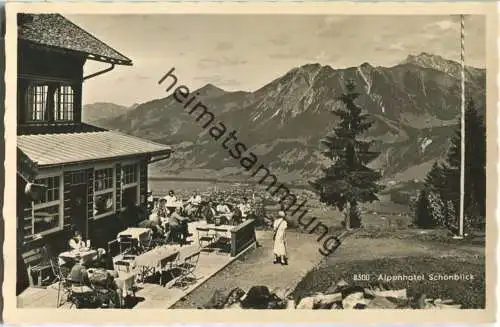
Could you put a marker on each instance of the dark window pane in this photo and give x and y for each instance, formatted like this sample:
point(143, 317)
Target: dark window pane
point(103, 203)
point(46, 219)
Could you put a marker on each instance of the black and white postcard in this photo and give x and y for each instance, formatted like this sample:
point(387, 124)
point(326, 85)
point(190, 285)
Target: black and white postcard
point(318, 162)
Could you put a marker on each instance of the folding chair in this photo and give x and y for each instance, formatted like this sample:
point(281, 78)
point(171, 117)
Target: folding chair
point(222, 239)
point(157, 241)
point(113, 248)
point(128, 244)
point(158, 238)
point(80, 294)
point(62, 281)
point(187, 269)
point(124, 262)
point(75, 293)
point(147, 245)
point(205, 238)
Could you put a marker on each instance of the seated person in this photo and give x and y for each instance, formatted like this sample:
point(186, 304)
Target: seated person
point(244, 207)
point(178, 226)
point(210, 213)
point(78, 273)
point(222, 208)
point(193, 204)
point(224, 211)
point(171, 201)
point(161, 211)
point(95, 279)
point(237, 217)
point(155, 219)
point(76, 242)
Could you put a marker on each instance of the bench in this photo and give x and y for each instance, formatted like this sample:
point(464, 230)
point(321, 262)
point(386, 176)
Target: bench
point(37, 262)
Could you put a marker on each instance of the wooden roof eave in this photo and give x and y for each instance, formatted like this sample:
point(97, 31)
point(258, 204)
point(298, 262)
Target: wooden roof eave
point(164, 154)
point(83, 54)
point(108, 60)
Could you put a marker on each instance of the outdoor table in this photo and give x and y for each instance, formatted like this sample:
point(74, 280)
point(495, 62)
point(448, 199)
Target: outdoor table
point(88, 255)
point(226, 228)
point(142, 235)
point(157, 258)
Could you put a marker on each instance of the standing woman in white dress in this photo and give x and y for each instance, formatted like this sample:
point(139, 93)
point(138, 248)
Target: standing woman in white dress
point(280, 225)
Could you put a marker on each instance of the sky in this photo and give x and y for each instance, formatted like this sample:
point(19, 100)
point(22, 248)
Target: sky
point(245, 52)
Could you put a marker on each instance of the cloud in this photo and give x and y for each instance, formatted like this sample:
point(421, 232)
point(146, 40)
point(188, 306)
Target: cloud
point(306, 54)
point(331, 26)
point(443, 25)
point(333, 20)
point(220, 61)
point(280, 40)
point(429, 36)
point(223, 46)
point(331, 32)
point(283, 55)
point(132, 77)
point(398, 46)
point(218, 80)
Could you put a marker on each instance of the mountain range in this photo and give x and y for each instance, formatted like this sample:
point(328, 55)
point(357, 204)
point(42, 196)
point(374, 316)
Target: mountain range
point(100, 111)
point(415, 106)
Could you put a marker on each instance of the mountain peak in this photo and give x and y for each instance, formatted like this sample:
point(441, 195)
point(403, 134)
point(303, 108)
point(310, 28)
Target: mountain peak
point(366, 65)
point(311, 69)
point(427, 60)
point(311, 66)
point(210, 90)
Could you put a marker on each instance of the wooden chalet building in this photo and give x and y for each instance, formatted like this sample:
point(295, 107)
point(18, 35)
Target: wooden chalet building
point(86, 171)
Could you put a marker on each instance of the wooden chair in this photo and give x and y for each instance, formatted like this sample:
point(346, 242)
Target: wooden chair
point(37, 263)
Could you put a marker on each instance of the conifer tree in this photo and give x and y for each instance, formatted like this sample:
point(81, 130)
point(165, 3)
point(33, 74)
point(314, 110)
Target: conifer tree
point(423, 214)
point(348, 181)
point(436, 179)
point(444, 180)
point(475, 167)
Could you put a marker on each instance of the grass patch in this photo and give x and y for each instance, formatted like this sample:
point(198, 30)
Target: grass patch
point(438, 235)
point(471, 294)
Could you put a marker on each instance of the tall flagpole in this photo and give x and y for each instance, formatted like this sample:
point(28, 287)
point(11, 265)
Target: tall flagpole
point(462, 126)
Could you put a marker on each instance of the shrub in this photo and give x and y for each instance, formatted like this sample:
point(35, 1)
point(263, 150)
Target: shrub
point(423, 211)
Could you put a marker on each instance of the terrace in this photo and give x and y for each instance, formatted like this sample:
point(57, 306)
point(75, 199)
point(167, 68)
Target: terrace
point(149, 293)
